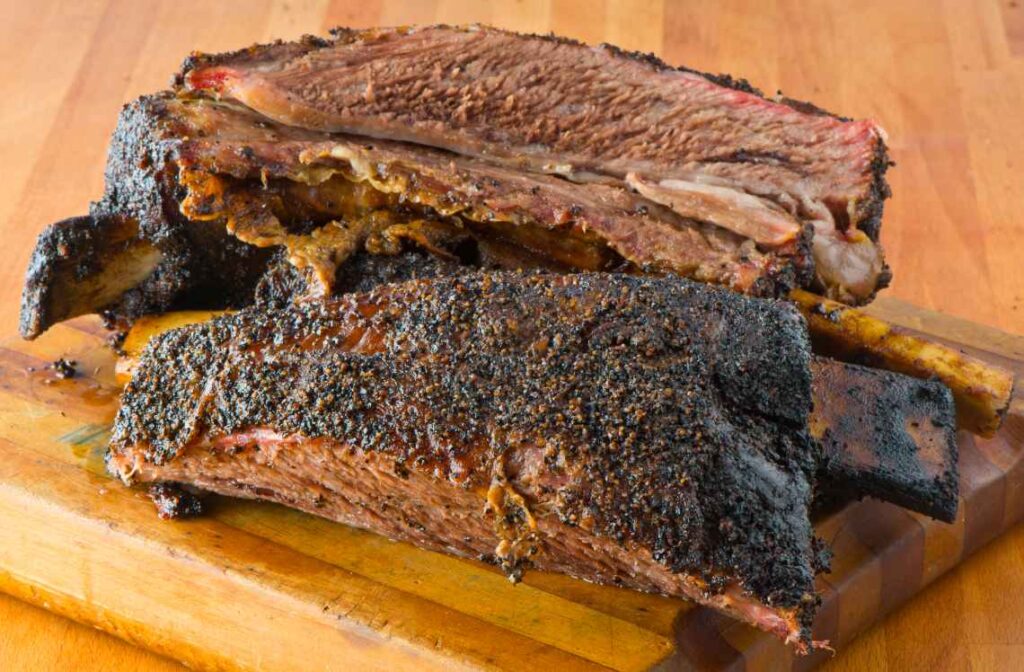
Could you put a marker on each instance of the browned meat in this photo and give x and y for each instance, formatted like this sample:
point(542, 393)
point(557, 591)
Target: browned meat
point(644, 432)
point(176, 163)
point(711, 148)
point(282, 282)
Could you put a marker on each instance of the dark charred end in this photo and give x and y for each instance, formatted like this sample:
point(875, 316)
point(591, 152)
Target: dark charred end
point(869, 212)
point(793, 269)
point(887, 436)
point(82, 265)
point(174, 503)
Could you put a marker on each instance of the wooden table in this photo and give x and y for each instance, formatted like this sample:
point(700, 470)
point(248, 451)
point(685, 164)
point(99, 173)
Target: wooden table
point(945, 78)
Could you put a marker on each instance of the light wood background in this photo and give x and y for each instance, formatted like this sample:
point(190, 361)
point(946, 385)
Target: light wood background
point(945, 78)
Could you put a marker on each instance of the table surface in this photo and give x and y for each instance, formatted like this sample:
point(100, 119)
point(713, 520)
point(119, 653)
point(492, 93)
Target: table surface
point(944, 77)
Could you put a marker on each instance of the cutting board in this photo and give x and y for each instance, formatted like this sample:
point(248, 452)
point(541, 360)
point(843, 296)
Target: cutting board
point(257, 586)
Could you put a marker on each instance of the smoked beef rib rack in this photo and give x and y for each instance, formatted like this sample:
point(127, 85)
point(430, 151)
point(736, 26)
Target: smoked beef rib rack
point(400, 213)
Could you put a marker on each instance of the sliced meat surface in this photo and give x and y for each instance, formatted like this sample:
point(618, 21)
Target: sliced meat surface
point(640, 431)
point(220, 139)
point(551, 105)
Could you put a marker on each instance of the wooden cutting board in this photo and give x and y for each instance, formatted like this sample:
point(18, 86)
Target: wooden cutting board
point(257, 586)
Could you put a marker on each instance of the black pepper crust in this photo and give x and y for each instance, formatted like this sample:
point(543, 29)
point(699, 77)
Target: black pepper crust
point(672, 414)
point(202, 266)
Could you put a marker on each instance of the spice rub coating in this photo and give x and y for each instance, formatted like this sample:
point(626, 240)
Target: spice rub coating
point(670, 416)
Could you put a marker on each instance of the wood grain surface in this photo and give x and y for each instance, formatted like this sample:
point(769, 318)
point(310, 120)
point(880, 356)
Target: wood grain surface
point(945, 78)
